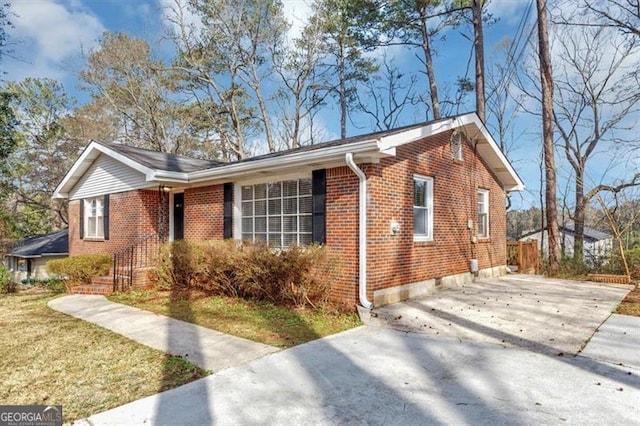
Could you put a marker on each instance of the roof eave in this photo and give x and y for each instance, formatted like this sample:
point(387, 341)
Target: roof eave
point(368, 150)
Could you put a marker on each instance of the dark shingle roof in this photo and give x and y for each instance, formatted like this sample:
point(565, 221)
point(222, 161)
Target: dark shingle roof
point(177, 163)
point(346, 141)
point(161, 160)
point(589, 233)
point(56, 243)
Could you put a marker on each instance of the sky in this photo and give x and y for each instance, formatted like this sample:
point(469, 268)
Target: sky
point(49, 36)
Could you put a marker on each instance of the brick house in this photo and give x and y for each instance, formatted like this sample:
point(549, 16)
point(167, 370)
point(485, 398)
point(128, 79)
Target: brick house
point(406, 209)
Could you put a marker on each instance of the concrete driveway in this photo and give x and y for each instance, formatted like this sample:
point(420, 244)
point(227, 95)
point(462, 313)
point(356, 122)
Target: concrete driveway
point(381, 376)
point(526, 311)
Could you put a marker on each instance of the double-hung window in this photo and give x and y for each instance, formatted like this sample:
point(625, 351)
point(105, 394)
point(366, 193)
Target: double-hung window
point(422, 208)
point(483, 213)
point(278, 212)
point(94, 217)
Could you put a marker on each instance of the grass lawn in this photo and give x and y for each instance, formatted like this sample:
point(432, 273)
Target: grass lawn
point(631, 304)
point(260, 322)
point(47, 357)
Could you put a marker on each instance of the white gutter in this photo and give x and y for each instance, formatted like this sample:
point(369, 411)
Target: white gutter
point(281, 162)
point(362, 224)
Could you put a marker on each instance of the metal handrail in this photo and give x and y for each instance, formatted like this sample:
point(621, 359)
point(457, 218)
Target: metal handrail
point(138, 255)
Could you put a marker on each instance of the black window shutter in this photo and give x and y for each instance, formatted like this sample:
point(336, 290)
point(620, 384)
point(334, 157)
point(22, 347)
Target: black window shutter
point(105, 216)
point(81, 221)
point(228, 210)
point(319, 207)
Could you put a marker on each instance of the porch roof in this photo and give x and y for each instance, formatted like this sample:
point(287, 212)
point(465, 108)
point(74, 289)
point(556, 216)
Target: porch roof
point(56, 243)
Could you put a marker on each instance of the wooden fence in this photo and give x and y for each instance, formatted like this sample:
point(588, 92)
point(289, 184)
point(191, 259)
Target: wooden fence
point(524, 255)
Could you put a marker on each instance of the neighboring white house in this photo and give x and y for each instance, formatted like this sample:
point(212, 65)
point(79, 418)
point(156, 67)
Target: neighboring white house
point(597, 244)
point(29, 258)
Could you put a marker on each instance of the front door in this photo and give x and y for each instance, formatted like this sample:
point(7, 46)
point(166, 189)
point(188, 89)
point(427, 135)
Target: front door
point(178, 216)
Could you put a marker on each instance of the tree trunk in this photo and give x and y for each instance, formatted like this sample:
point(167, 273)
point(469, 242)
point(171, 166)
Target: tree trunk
point(478, 43)
point(428, 63)
point(578, 218)
point(546, 78)
point(342, 92)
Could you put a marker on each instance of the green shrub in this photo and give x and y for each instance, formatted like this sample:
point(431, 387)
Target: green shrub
point(633, 260)
point(6, 283)
point(179, 265)
point(77, 270)
point(297, 276)
point(54, 284)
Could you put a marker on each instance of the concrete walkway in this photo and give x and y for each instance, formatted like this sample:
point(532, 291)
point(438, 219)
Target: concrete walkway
point(617, 341)
point(204, 347)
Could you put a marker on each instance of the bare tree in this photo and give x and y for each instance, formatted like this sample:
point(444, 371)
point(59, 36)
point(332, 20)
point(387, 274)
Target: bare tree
point(224, 61)
point(139, 93)
point(386, 95)
point(595, 107)
point(501, 107)
point(345, 65)
point(546, 79)
point(623, 15)
point(298, 66)
point(416, 24)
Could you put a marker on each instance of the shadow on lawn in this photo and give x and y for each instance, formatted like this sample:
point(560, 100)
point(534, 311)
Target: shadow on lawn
point(167, 410)
point(347, 386)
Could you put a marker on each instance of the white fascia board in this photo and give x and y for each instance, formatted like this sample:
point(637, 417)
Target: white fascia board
point(289, 161)
point(166, 176)
point(517, 185)
point(73, 175)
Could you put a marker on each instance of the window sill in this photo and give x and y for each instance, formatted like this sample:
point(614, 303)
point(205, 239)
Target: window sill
point(422, 239)
point(457, 161)
point(93, 239)
point(484, 239)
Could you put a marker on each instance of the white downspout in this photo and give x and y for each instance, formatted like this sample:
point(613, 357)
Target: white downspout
point(362, 224)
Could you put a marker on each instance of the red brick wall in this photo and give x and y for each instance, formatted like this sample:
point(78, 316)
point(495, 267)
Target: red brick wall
point(342, 230)
point(204, 213)
point(396, 259)
point(132, 215)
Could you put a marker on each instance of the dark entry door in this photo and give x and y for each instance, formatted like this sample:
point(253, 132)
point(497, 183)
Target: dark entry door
point(178, 216)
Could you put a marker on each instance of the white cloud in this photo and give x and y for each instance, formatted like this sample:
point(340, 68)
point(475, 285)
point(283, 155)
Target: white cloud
point(509, 11)
point(297, 12)
point(46, 33)
point(176, 11)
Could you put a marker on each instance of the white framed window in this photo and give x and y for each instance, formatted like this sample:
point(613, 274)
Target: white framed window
point(422, 208)
point(94, 217)
point(277, 212)
point(456, 146)
point(483, 213)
